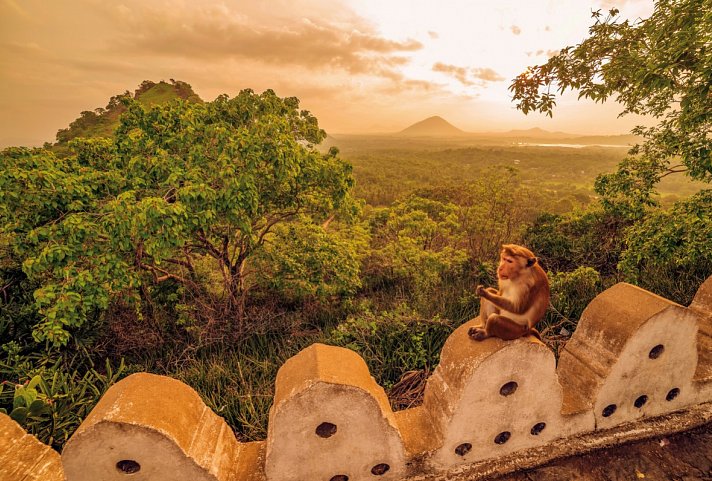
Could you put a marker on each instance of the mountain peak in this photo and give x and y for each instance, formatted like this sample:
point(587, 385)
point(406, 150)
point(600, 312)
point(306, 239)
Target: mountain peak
point(432, 126)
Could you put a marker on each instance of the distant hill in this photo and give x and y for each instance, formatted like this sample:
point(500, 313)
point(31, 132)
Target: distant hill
point(541, 135)
point(535, 132)
point(432, 127)
point(102, 122)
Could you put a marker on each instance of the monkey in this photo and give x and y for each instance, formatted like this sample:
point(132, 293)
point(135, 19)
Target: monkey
point(521, 301)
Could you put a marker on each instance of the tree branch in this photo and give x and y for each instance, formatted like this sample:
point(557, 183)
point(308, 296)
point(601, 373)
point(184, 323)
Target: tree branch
point(166, 275)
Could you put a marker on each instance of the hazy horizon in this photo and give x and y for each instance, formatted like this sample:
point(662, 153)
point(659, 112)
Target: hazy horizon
point(361, 66)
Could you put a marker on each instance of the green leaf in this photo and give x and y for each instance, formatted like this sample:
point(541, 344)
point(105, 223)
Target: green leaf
point(19, 414)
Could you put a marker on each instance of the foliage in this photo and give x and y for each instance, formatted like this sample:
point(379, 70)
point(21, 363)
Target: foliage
point(658, 67)
point(393, 343)
point(491, 210)
point(101, 122)
point(52, 395)
point(389, 169)
point(670, 251)
point(572, 291)
point(179, 183)
point(306, 260)
point(591, 237)
point(414, 243)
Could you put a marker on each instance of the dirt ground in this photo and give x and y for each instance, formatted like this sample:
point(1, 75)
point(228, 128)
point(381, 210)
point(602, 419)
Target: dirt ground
point(679, 457)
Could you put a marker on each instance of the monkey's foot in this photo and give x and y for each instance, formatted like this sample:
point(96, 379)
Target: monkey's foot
point(477, 333)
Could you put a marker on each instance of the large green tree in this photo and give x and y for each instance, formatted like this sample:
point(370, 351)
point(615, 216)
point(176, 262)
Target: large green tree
point(179, 186)
point(660, 67)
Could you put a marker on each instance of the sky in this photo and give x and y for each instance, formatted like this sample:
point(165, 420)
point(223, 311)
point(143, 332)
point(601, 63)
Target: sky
point(360, 66)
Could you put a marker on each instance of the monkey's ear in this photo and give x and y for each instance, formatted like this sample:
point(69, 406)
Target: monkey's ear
point(531, 261)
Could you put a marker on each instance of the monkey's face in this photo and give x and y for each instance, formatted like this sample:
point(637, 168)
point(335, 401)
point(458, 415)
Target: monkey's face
point(510, 267)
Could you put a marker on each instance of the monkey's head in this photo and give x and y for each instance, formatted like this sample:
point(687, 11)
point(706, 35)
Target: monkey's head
point(514, 261)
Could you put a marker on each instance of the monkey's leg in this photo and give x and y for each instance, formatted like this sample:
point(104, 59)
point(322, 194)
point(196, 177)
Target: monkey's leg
point(505, 328)
point(487, 309)
point(478, 333)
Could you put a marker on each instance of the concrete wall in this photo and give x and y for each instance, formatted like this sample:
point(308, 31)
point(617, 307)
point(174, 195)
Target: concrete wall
point(637, 366)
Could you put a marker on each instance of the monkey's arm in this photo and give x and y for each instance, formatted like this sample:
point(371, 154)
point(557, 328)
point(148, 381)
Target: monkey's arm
point(501, 302)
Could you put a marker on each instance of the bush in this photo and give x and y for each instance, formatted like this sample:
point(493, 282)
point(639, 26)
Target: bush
point(393, 343)
point(571, 292)
point(52, 395)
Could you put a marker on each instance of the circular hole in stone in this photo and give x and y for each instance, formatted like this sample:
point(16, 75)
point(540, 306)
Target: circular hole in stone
point(463, 449)
point(128, 466)
point(339, 477)
point(656, 351)
point(640, 402)
point(538, 428)
point(672, 393)
point(502, 437)
point(380, 469)
point(508, 388)
point(608, 410)
point(326, 430)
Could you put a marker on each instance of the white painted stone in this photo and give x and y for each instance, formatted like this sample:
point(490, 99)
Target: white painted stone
point(151, 428)
point(470, 413)
point(325, 384)
point(607, 364)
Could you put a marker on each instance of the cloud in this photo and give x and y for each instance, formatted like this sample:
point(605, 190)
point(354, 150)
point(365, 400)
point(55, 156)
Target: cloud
point(468, 76)
point(17, 9)
point(515, 30)
point(540, 52)
point(211, 33)
point(486, 75)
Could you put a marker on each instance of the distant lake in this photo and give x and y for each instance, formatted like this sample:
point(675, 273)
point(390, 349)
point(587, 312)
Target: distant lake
point(573, 146)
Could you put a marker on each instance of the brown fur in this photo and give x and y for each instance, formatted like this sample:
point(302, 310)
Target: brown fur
point(521, 301)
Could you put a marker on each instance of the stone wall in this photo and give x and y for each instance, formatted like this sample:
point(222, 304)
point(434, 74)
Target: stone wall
point(637, 366)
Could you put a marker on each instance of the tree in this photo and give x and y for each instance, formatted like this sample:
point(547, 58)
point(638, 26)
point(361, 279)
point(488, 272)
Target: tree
point(180, 185)
point(659, 67)
point(415, 242)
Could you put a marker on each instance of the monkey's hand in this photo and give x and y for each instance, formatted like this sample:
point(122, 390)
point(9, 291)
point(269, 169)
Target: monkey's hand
point(486, 292)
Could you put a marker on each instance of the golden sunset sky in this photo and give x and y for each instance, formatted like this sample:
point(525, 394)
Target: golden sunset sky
point(360, 66)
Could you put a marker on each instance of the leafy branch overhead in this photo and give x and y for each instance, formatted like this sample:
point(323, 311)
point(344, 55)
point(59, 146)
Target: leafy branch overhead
point(660, 67)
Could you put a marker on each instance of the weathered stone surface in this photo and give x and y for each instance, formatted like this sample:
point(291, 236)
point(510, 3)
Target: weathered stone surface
point(152, 428)
point(416, 428)
point(23, 457)
point(252, 462)
point(491, 398)
point(685, 456)
point(702, 305)
point(633, 354)
point(575, 446)
point(330, 418)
